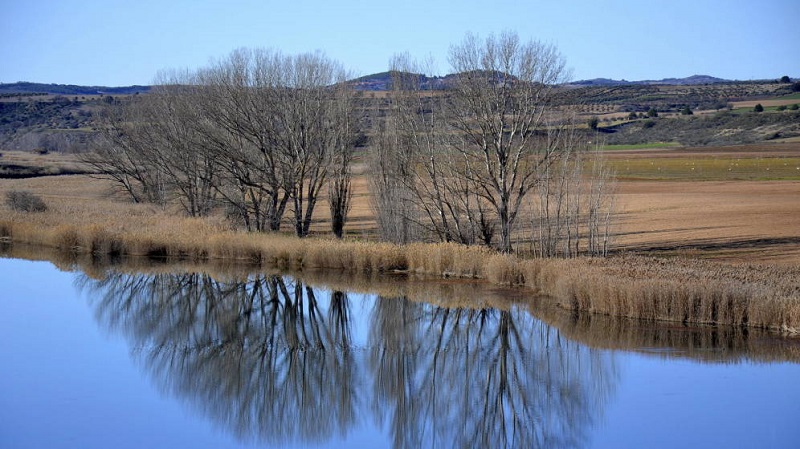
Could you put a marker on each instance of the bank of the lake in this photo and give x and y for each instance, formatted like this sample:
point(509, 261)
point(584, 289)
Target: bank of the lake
point(639, 287)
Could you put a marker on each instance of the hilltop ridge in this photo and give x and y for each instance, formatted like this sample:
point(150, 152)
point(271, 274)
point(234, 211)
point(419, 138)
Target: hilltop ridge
point(374, 82)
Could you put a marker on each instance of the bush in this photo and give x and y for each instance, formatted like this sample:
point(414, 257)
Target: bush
point(686, 111)
point(781, 108)
point(593, 122)
point(652, 112)
point(794, 107)
point(648, 124)
point(23, 201)
point(758, 108)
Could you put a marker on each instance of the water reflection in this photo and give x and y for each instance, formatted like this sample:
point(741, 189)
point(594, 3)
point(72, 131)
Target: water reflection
point(481, 378)
point(272, 359)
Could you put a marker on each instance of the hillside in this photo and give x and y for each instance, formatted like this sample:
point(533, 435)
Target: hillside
point(58, 117)
point(24, 87)
point(693, 80)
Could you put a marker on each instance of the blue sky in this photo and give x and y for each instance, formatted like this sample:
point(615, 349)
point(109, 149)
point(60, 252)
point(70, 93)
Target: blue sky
point(112, 43)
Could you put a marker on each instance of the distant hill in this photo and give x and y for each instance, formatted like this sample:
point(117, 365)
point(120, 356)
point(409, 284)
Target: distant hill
point(68, 89)
point(375, 82)
point(688, 81)
point(383, 81)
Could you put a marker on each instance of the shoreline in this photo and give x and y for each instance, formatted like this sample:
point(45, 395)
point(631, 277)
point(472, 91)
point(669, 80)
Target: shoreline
point(687, 291)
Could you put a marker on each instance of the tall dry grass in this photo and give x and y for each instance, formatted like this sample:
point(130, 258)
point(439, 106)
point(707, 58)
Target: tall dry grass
point(687, 291)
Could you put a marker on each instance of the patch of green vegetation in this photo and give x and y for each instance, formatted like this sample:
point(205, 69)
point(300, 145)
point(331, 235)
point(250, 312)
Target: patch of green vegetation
point(641, 146)
point(708, 168)
point(794, 96)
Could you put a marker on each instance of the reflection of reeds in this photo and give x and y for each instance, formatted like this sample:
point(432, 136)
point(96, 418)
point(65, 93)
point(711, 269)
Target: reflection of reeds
point(714, 344)
point(688, 291)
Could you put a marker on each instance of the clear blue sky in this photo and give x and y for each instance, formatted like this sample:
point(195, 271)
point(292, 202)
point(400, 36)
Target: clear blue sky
point(113, 43)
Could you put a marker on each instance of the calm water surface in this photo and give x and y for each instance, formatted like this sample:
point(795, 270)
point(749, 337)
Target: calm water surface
point(187, 360)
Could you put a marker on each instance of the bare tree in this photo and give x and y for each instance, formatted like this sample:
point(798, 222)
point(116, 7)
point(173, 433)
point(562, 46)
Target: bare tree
point(315, 112)
point(240, 131)
point(501, 104)
point(172, 131)
point(392, 200)
point(123, 154)
point(151, 148)
point(573, 203)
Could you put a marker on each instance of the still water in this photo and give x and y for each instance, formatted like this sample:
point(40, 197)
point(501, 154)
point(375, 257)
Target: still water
point(186, 359)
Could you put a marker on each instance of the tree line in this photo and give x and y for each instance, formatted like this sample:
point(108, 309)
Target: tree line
point(491, 160)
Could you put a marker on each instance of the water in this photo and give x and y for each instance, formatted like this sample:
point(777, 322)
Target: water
point(184, 359)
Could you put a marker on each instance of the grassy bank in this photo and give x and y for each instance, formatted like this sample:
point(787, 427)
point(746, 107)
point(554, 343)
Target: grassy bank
point(686, 291)
point(714, 344)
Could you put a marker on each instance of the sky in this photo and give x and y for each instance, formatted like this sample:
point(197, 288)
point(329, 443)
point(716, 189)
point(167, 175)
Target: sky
point(119, 43)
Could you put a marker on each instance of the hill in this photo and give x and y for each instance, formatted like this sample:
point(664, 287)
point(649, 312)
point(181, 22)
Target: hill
point(24, 87)
point(694, 80)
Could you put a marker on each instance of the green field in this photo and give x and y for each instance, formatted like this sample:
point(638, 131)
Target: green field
point(708, 168)
point(641, 146)
point(748, 110)
point(794, 96)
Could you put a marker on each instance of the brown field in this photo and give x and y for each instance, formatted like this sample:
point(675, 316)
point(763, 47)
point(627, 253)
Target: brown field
point(731, 220)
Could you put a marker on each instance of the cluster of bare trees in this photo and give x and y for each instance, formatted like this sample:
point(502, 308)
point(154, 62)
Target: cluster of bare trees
point(491, 159)
point(468, 163)
point(261, 132)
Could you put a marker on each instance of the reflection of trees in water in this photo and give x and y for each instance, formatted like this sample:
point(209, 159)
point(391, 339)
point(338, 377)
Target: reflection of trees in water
point(260, 357)
point(271, 361)
point(482, 378)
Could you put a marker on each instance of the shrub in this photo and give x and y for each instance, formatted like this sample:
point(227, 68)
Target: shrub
point(593, 122)
point(23, 201)
point(652, 112)
point(632, 116)
point(794, 107)
point(686, 111)
point(758, 108)
point(781, 108)
point(648, 124)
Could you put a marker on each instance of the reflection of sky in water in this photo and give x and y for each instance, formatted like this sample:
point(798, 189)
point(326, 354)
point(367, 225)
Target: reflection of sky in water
point(65, 382)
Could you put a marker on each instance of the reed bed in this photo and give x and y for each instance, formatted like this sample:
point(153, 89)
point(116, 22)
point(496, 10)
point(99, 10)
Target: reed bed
point(686, 291)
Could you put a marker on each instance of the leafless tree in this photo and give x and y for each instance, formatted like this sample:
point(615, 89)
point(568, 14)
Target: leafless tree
point(392, 200)
point(151, 148)
point(572, 205)
point(501, 105)
point(123, 155)
point(172, 132)
point(277, 125)
point(315, 119)
point(240, 131)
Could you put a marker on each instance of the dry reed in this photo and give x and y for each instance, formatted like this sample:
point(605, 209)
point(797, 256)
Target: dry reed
point(687, 291)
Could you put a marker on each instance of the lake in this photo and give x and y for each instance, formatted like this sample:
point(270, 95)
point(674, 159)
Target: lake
point(176, 357)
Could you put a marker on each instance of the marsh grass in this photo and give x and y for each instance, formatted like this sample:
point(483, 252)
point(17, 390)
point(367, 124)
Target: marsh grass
point(678, 290)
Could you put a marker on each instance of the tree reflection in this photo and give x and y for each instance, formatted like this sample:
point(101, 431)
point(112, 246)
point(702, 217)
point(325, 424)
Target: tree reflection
point(482, 378)
point(272, 359)
point(260, 357)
